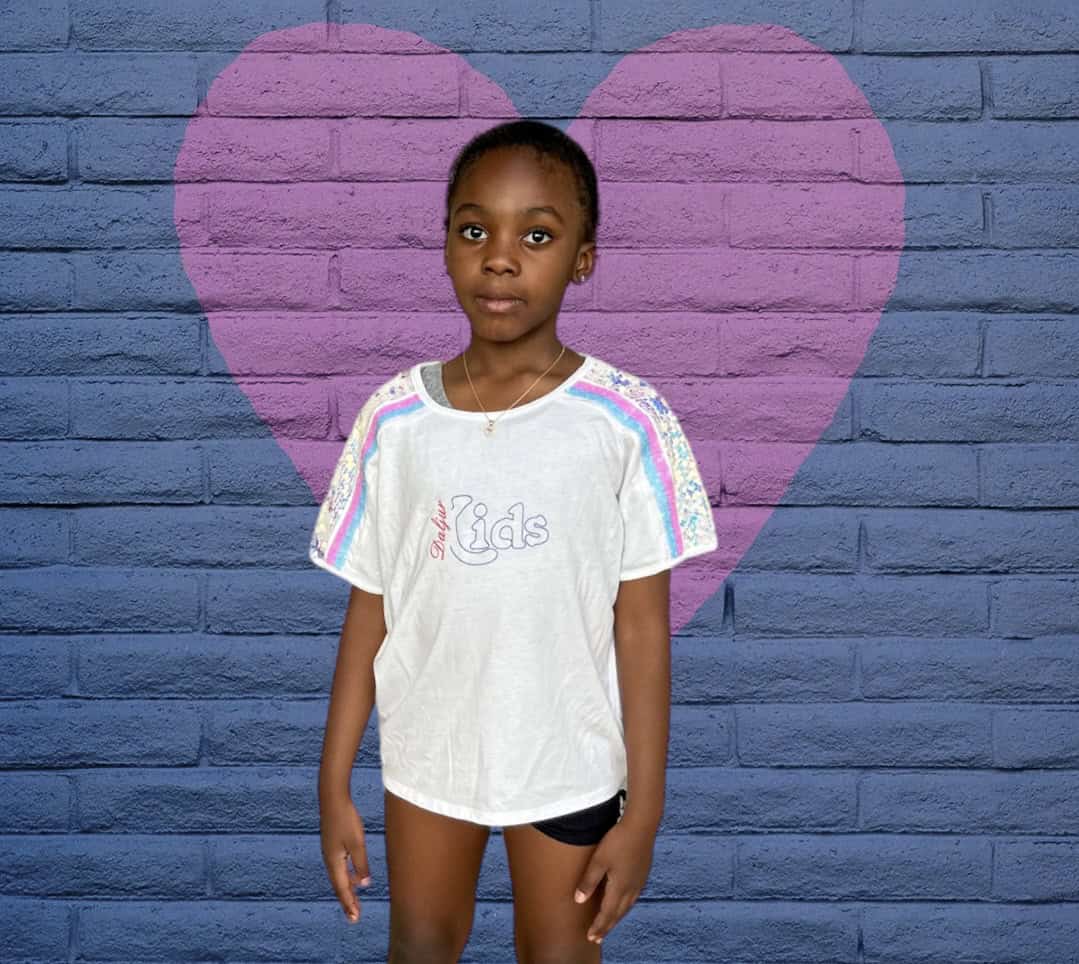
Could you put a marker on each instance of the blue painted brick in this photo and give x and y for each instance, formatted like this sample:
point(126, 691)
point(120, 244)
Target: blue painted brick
point(965, 540)
point(35, 802)
point(1031, 475)
point(63, 598)
point(705, 670)
point(253, 472)
point(180, 409)
point(742, 799)
point(105, 865)
point(264, 799)
point(971, 412)
point(106, 344)
point(1024, 607)
point(1046, 86)
point(506, 26)
point(983, 152)
point(114, 150)
point(993, 280)
point(1036, 870)
point(98, 84)
point(33, 408)
point(1037, 347)
point(35, 281)
point(193, 25)
point(985, 801)
point(1026, 671)
point(1036, 737)
point(926, 88)
point(896, 933)
point(132, 280)
point(33, 152)
point(34, 930)
point(92, 217)
point(40, 25)
point(701, 736)
point(256, 732)
point(197, 665)
point(920, 344)
point(915, 26)
point(51, 473)
point(71, 733)
point(1036, 216)
point(817, 539)
point(864, 734)
point(264, 536)
point(943, 217)
point(33, 537)
point(231, 930)
point(845, 605)
point(866, 473)
point(864, 867)
point(268, 601)
point(33, 666)
point(624, 25)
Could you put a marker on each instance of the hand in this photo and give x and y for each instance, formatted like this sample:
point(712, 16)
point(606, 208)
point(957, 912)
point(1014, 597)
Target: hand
point(341, 829)
point(624, 855)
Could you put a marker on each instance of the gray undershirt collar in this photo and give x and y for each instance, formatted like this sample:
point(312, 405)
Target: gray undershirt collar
point(432, 381)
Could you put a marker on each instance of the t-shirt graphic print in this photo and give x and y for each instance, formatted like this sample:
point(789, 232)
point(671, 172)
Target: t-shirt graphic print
point(499, 558)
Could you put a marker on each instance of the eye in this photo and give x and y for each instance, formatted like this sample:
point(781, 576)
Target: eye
point(476, 227)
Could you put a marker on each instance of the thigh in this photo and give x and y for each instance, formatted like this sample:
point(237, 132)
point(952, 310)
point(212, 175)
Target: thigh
point(432, 868)
point(548, 925)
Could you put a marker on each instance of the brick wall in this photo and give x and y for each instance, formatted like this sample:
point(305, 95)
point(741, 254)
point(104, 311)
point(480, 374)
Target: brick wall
point(875, 731)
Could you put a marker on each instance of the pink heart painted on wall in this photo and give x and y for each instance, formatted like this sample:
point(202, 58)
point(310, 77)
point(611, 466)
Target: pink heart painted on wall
point(751, 228)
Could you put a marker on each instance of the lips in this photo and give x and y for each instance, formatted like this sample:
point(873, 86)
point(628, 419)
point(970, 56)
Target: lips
point(496, 302)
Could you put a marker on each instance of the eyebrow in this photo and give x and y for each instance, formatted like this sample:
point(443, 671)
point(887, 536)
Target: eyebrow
point(544, 209)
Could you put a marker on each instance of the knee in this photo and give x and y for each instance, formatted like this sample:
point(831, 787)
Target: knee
point(425, 944)
point(578, 952)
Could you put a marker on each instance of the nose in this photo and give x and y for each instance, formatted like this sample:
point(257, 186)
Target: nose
point(500, 257)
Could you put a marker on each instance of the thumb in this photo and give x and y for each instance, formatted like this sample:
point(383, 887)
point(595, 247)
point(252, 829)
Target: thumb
point(361, 871)
point(592, 876)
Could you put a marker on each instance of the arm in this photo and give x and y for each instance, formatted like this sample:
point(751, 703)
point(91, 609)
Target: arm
point(643, 655)
point(353, 692)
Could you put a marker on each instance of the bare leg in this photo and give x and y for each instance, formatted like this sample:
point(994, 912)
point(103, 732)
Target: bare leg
point(433, 865)
point(549, 927)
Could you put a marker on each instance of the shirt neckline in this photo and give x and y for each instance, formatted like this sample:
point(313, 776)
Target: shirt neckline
point(421, 389)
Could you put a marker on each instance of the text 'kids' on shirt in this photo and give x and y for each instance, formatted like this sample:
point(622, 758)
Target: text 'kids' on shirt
point(499, 559)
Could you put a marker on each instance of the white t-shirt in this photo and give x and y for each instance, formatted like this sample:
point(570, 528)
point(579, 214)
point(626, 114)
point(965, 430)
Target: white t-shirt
point(498, 558)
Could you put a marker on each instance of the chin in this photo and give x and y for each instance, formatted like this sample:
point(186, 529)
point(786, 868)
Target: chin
point(498, 329)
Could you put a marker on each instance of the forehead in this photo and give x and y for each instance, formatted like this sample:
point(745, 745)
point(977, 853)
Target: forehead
point(521, 175)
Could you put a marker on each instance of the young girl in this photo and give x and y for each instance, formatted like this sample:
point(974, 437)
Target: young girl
point(508, 521)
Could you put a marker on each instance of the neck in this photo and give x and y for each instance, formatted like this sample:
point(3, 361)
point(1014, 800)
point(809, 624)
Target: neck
point(491, 360)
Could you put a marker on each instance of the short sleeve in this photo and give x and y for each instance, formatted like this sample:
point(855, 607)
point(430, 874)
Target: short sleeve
point(666, 514)
point(345, 537)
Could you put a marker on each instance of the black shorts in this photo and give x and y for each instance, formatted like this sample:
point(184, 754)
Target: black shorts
point(585, 826)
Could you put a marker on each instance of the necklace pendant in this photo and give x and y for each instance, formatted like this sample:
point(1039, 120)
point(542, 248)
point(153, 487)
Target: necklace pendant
point(489, 427)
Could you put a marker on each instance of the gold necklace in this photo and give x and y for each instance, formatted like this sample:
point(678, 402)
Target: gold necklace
point(490, 426)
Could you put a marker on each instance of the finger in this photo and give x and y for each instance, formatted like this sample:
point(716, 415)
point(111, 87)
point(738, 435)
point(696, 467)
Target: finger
point(611, 898)
point(620, 911)
point(359, 873)
point(341, 887)
point(593, 874)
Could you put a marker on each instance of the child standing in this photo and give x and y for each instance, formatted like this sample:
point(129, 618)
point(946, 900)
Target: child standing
point(508, 521)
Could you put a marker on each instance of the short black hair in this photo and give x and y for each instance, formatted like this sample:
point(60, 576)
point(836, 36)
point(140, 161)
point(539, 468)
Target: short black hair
point(548, 141)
